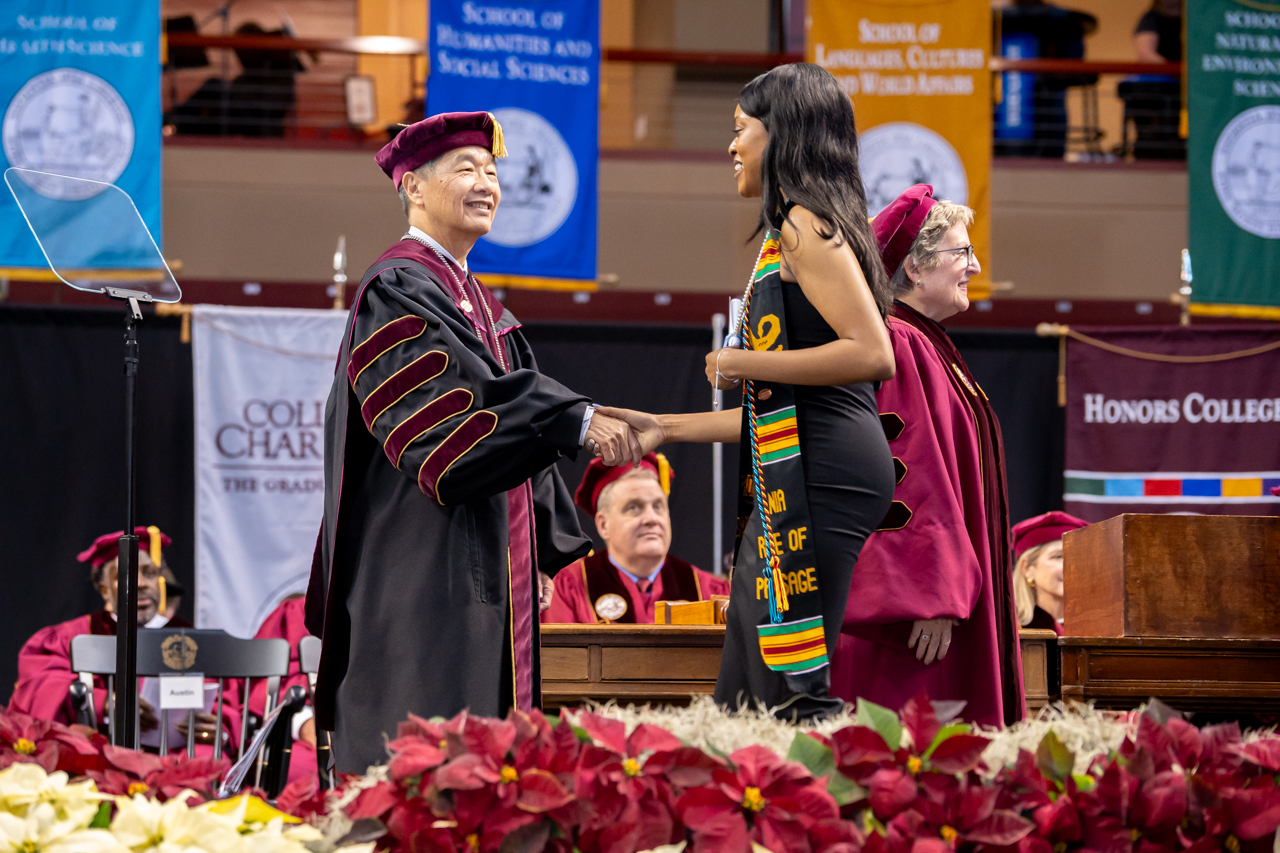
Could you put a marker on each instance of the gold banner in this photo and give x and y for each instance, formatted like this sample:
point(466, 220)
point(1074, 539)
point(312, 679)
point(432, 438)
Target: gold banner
point(917, 71)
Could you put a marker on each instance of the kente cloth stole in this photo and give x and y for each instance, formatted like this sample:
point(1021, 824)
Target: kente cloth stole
point(776, 533)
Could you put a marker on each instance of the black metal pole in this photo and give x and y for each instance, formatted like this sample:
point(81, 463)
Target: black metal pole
point(126, 707)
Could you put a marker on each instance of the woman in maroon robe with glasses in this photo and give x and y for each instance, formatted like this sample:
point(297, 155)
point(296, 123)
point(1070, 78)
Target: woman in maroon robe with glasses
point(931, 605)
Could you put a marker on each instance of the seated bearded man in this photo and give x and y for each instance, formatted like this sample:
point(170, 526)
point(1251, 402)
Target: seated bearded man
point(624, 582)
point(44, 661)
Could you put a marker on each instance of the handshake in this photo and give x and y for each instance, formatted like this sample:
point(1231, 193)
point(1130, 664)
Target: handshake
point(622, 436)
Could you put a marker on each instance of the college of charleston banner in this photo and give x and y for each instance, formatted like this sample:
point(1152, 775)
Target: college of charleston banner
point(536, 68)
point(79, 96)
point(919, 79)
point(262, 376)
point(1159, 436)
point(1233, 155)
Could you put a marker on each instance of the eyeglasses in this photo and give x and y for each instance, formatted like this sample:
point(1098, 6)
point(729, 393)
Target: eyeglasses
point(967, 250)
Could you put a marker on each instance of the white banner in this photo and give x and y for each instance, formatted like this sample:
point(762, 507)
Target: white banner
point(262, 376)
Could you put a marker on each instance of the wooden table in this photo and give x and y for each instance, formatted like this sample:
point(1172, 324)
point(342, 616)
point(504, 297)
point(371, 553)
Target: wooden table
point(667, 664)
point(634, 664)
point(1189, 674)
point(1039, 669)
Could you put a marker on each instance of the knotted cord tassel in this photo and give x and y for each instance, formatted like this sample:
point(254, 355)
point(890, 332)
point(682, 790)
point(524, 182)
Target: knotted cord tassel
point(499, 143)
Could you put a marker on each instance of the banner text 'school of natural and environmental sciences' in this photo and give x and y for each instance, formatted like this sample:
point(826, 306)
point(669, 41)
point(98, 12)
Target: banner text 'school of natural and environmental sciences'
point(1233, 156)
point(918, 75)
point(536, 68)
point(80, 95)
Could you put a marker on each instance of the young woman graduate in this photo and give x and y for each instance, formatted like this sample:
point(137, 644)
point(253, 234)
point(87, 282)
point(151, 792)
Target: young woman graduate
point(817, 475)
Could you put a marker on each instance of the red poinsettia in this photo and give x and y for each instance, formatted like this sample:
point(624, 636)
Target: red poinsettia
point(53, 746)
point(132, 772)
point(760, 798)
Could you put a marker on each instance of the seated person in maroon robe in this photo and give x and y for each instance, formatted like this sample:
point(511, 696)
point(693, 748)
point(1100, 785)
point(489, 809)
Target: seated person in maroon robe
point(286, 622)
point(931, 603)
point(1037, 570)
point(44, 661)
point(623, 582)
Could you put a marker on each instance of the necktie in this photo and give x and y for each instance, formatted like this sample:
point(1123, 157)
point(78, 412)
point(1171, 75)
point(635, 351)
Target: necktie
point(644, 585)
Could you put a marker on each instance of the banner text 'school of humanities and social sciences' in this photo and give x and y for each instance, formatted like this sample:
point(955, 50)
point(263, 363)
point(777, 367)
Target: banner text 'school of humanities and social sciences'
point(1151, 436)
point(1233, 154)
point(80, 96)
point(536, 69)
point(919, 79)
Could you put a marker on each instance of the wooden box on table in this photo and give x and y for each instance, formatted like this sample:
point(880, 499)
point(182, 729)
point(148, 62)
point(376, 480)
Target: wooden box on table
point(1182, 607)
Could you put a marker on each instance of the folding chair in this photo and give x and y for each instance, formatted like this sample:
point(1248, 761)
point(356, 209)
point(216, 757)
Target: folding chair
point(176, 651)
point(309, 658)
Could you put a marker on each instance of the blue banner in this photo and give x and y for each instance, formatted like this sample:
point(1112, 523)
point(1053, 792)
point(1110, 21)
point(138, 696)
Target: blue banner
point(536, 68)
point(80, 91)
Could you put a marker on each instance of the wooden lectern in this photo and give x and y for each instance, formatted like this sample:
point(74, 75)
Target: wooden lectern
point(1182, 607)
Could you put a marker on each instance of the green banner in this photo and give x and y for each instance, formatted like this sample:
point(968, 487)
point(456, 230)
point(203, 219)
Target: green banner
point(1233, 154)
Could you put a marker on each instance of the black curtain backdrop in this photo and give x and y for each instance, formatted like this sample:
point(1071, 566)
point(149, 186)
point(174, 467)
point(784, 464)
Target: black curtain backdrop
point(62, 436)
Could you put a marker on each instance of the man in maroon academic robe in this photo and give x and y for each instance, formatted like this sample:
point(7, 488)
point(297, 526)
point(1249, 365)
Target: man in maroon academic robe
point(624, 582)
point(442, 502)
point(942, 552)
point(44, 661)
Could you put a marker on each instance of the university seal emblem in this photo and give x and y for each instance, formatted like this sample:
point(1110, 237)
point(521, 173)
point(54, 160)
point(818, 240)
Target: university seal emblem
point(539, 180)
point(1246, 170)
point(178, 651)
point(68, 122)
point(900, 154)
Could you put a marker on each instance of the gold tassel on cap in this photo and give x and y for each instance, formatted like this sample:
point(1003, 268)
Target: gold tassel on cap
point(164, 594)
point(499, 147)
point(154, 549)
point(664, 473)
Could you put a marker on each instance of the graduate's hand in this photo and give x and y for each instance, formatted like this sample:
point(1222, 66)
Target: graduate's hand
point(546, 589)
point(307, 731)
point(612, 440)
point(931, 638)
point(206, 726)
point(728, 361)
point(147, 720)
point(646, 426)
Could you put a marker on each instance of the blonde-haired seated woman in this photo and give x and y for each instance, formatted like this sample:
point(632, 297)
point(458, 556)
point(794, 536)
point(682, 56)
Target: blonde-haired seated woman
point(1037, 572)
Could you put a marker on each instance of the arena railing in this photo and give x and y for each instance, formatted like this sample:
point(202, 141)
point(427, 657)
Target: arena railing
point(660, 99)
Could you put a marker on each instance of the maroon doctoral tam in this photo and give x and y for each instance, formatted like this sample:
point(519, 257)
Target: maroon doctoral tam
point(107, 546)
point(898, 224)
point(599, 475)
point(424, 141)
point(1049, 527)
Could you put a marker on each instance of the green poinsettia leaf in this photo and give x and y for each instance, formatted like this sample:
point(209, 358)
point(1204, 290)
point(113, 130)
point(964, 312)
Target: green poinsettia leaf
point(884, 721)
point(819, 760)
point(102, 819)
point(1084, 782)
point(946, 732)
point(1054, 759)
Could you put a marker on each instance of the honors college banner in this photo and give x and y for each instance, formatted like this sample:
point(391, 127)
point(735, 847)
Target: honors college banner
point(1233, 155)
point(79, 96)
point(1173, 436)
point(262, 376)
point(537, 69)
point(917, 73)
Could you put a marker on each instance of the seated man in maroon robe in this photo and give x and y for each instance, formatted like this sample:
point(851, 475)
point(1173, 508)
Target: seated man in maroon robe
point(44, 661)
point(624, 582)
point(287, 622)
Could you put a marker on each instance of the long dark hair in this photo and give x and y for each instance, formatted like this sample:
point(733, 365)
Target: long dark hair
point(811, 159)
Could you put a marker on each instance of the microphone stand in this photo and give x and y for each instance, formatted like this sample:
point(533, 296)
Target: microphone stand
point(125, 710)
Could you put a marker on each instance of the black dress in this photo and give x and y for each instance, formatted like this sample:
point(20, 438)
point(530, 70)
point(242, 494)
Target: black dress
point(849, 481)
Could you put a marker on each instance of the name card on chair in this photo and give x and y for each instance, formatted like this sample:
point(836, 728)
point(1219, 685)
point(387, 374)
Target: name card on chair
point(182, 692)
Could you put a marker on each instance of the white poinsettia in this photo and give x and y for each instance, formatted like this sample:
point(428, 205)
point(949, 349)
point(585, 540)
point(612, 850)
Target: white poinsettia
point(41, 831)
point(174, 827)
point(23, 786)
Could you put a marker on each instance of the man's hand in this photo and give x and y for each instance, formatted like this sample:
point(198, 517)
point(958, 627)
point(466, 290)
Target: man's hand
point(934, 639)
point(206, 727)
point(546, 589)
point(646, 426)
point(147, 719)
point(307, 731)
point(612, 440)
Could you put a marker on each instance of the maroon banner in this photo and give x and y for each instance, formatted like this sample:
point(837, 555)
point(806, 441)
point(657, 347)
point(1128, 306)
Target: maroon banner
point(1162, 436)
